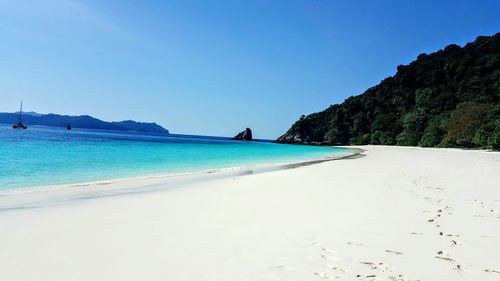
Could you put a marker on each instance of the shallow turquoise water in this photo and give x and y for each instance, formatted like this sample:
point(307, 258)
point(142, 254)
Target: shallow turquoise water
point(42, 156)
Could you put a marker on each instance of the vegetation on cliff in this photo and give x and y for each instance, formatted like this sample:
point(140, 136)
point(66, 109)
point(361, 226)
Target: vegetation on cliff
point(450, 98)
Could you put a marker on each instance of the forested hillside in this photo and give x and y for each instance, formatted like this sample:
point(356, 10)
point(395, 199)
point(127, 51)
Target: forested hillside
point(450, 98)
point(84, 122)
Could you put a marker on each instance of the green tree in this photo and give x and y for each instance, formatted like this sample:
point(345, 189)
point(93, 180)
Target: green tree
point(434, 131)
point(463, 123)
point(414, 125)
point(488, 134)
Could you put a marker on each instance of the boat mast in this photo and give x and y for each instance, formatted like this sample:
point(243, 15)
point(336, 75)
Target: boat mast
point(20, 112)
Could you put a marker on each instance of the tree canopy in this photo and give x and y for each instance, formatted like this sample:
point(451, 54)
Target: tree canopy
point(449, 98)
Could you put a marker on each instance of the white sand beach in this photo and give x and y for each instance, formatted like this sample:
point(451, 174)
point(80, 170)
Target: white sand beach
point(395, 214)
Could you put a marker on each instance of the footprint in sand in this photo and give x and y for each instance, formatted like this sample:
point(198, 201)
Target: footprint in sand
point(394, 278)
point(326, 252)
point(367, 276)
point(282, 267)
point(332, 258)
point(454, 243)
point(324, 275)
point(492, 271)
point(377, 266)
point(438, 189)
point(329, 251)
point(354, 243)
point(448, 209)
point(371, 264)
point(338, 269)
point(394, 252)
point(445, 258)
point(458, 268)
point(314, 244)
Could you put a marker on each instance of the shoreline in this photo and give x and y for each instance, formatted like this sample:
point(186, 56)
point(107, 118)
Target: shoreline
point(53, 195)
point(397, 213)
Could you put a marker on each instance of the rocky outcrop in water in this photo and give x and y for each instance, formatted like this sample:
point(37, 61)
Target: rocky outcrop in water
point(246, 135)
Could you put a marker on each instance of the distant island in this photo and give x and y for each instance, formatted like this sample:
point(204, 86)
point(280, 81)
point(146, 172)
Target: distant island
point(84, 122)
point(450, 98)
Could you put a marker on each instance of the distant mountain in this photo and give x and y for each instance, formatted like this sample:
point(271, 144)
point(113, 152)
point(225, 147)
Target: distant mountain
point(30, 113)
point(85, 122)
point(450, 98)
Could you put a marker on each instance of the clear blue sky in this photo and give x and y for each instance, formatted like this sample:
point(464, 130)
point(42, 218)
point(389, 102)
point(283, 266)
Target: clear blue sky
point(216, 67)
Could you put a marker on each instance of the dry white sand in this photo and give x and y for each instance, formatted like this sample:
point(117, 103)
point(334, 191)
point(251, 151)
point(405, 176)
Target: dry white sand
point(396, 214)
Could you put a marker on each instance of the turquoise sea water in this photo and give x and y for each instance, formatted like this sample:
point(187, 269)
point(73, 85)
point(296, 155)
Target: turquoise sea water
point(42, 156)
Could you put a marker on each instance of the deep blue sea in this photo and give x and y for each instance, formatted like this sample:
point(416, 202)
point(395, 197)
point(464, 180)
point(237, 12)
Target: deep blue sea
point(45, 156)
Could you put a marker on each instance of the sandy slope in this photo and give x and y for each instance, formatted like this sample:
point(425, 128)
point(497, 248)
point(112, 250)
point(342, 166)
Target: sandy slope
point(396, 214)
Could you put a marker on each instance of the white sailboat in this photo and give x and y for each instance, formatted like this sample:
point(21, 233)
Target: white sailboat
point(19, 124)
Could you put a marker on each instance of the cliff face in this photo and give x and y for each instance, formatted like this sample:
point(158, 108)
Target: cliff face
point(291, 136)
point(447, 98)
